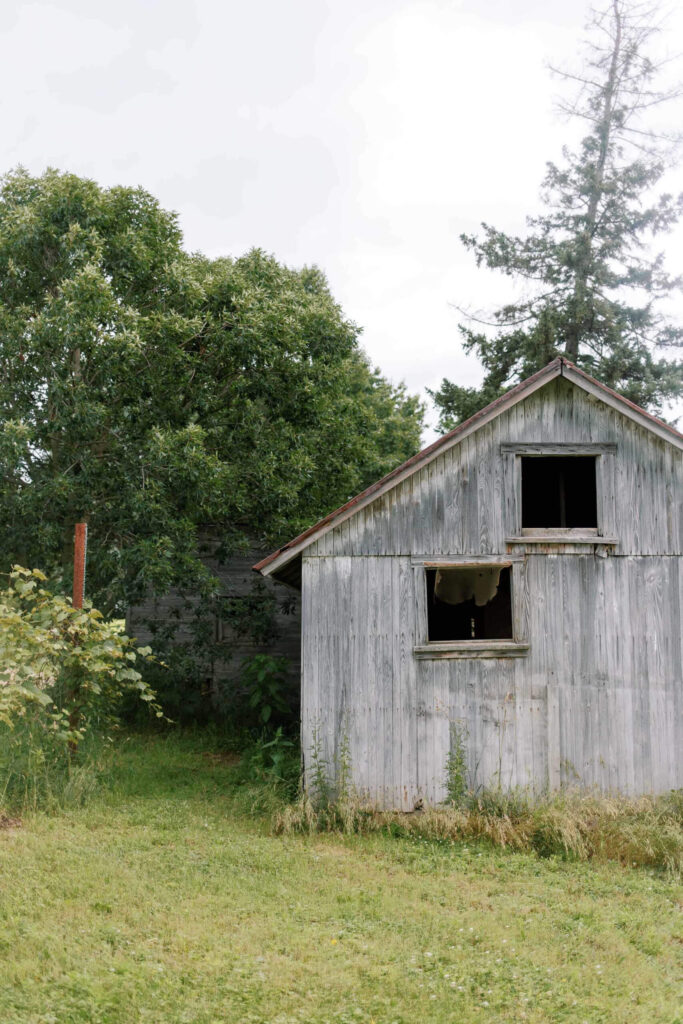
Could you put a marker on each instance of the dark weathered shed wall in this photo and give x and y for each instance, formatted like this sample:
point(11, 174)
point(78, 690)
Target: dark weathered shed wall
point(237, 580)
point(599, 697)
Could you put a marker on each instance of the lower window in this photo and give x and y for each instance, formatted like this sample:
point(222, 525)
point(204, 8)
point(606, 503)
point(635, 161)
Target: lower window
point(469, 603)
point(471, 607)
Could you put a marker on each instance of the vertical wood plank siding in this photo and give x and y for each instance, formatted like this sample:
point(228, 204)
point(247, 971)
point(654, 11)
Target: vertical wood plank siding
point(599, 698)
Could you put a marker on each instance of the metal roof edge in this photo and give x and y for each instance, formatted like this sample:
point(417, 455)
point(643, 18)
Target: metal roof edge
point(559, 367)
point(623, 405)
point(416, 462)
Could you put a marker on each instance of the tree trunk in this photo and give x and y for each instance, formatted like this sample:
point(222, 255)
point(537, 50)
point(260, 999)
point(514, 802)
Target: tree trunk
point(578, 324)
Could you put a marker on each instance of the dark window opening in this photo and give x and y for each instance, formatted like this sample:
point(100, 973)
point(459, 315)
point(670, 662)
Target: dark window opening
point(558, 491)
point(469, 603)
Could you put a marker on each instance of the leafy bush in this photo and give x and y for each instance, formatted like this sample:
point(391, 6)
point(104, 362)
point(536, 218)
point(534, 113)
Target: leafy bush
point(63, 669)
point(274, 758)
point(267, 684)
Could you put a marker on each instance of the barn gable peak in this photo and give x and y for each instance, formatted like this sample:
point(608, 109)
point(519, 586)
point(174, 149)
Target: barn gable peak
point(284, 563)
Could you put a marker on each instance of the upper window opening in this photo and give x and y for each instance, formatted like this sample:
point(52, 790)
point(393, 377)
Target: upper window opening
point(558, 491)
point(469, 603)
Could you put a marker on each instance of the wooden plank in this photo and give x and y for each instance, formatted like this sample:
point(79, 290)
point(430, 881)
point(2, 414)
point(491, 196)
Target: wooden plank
point(553, 734)
point(465, 560)
point(436, 507)
point(442, 651)
point(558, 448)
point(310, 692)
point(423, 696)
point(440, 729)
point(496, 496)
point(404, 638)
point(556, 539)
point(485, 456)
point(370, 607)
point(476, 738)
point(453, 511)
point(393, 737)
point(386, 741)
point(458, 713)
point(470, 504)
point(676, 595)
point(624, 748)
point(512, 511)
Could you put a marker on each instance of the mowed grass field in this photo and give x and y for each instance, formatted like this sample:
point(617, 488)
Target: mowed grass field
point(168, 899)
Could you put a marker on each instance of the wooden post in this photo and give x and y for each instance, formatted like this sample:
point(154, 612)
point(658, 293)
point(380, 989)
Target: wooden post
point(80, 545)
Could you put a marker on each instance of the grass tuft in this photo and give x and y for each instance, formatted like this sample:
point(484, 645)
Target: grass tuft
point(643, 832)
point(38, 773)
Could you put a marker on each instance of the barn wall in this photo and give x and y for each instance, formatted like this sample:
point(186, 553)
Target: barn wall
point(587, 705)
point(599, 698)
point(461, 503)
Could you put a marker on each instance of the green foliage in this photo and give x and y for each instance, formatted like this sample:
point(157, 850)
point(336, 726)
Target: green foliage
point(63, 670)
point(148, 391)
point(591, 290)
point(38, 771)
point(273, 758)
point(267, 684)
point(456, 766)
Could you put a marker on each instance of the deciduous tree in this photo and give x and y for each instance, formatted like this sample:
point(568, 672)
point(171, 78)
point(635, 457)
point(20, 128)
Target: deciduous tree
point(147, 391)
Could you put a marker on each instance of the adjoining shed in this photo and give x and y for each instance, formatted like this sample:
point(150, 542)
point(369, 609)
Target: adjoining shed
point(516, 589)
point(248, 617)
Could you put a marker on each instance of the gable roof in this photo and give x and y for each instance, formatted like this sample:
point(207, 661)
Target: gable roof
point(276, 563)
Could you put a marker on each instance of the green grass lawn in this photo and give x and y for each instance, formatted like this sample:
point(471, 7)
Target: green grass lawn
point(164, 900)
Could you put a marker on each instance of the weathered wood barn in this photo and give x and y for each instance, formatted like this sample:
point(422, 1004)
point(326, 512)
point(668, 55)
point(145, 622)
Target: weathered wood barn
point(515, 588)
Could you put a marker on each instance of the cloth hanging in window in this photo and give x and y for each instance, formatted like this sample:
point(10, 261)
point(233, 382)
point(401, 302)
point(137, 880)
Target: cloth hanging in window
point(454, 586)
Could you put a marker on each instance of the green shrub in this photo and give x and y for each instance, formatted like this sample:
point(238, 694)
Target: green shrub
point(267, 776)
point(64, 672)
point(66, 664)
point(267, 685)
point(274, 758)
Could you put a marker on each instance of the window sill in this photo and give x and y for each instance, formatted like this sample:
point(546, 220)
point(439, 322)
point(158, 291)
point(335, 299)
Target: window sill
point(471, 649)
point(562, 537)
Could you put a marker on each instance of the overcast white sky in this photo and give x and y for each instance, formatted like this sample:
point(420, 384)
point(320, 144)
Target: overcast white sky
point(361, 135)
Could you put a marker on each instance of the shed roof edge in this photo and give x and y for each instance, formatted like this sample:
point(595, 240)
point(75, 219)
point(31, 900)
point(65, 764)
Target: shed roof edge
point(559, 367)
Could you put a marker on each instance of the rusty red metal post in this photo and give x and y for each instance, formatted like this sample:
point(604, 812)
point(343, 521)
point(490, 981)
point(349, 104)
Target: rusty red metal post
point(80, 544)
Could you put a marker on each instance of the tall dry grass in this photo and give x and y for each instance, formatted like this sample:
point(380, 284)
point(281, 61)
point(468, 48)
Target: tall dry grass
point(642, 832)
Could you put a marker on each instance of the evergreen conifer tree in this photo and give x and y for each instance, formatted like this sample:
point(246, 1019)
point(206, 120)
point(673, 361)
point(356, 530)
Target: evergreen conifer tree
point(591, 284)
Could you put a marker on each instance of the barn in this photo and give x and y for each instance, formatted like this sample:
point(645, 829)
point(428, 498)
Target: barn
point(514, 592)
